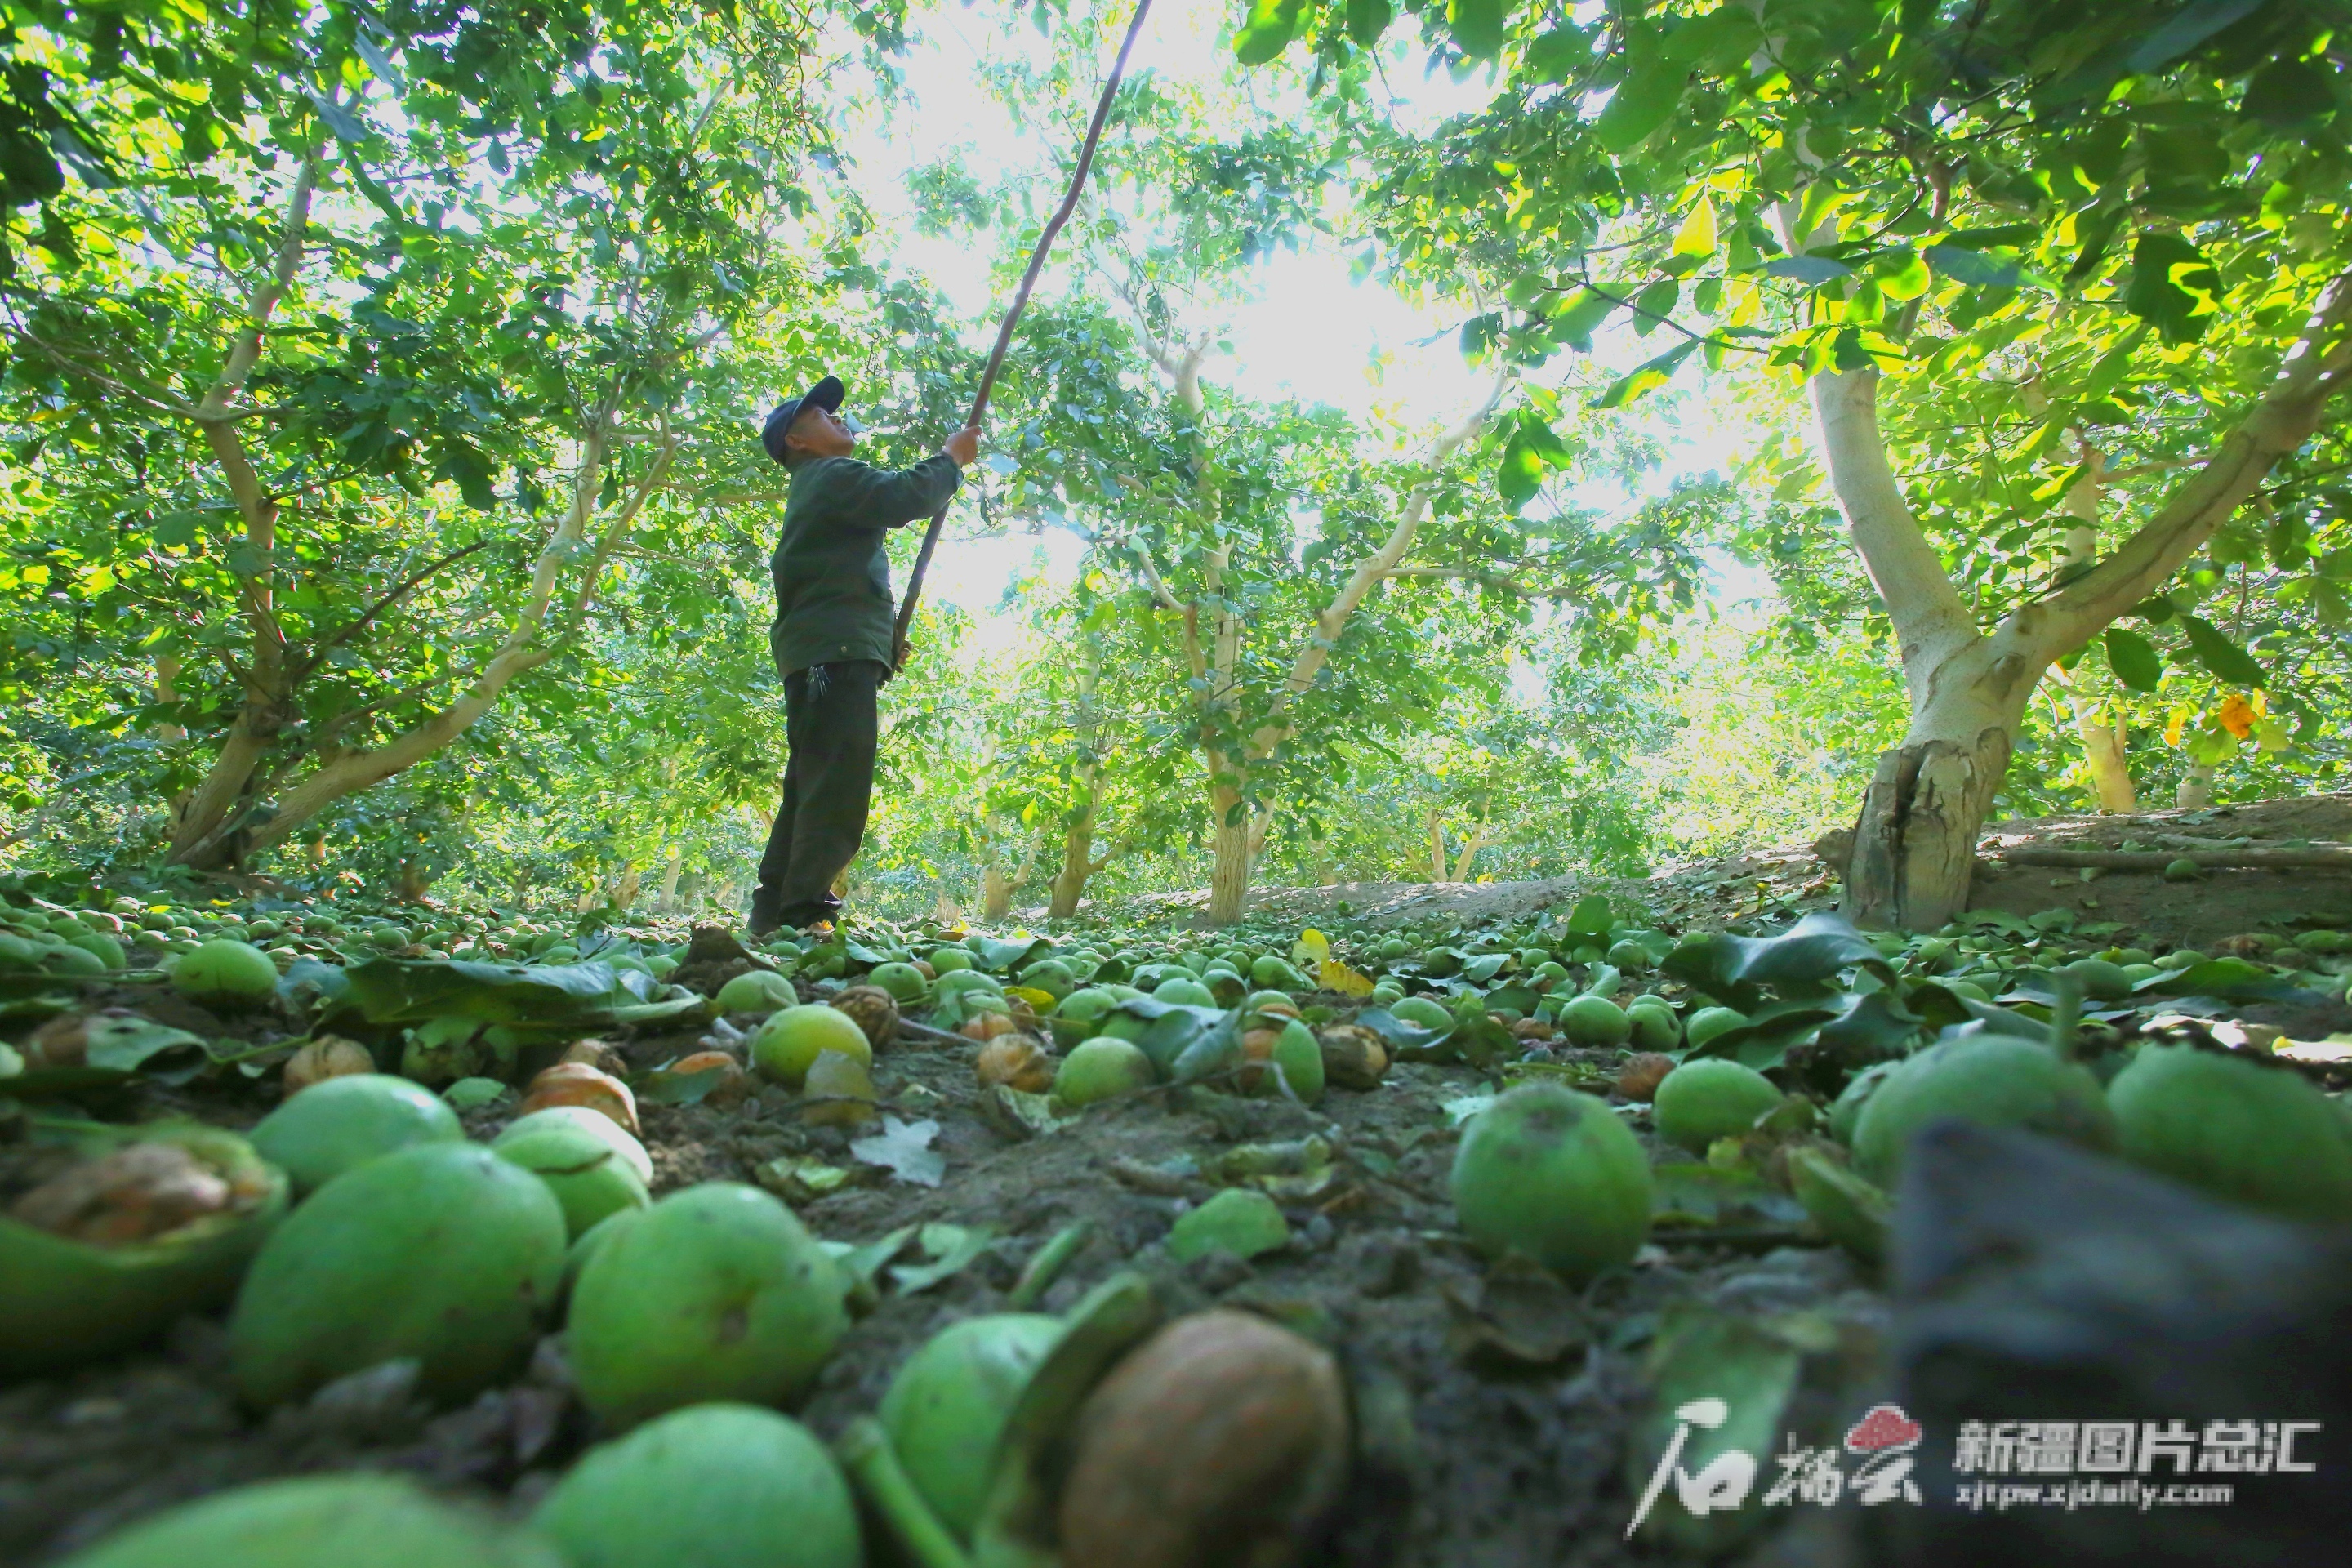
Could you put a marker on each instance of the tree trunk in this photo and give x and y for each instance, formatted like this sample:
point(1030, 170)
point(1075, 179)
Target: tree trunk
point(1915, 843)
point(2102, 742)
point(1078, 865)
point(1229, 881)
point(1078, 843)
point(995, 893)
point(666, 899)
point(1470, 847)
point(167, 676)
point(2196, 786)
point(1436, 846)
point(624, 892)
point(2102, 749)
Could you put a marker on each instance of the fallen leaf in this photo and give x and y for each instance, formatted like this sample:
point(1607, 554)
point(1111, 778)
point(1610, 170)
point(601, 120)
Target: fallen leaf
point(904, 1148)
point(1334, 975)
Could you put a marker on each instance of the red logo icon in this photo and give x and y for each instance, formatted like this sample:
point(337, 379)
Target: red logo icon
point(1885, 1427)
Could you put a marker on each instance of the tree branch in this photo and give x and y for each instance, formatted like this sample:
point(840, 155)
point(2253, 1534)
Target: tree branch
point(302, 670)
point(2312, 372)
point(1931, 621)
point(1333, 619)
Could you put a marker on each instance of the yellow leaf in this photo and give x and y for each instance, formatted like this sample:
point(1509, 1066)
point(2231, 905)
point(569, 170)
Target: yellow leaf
point(2236, 715)
point(1334, 975)
point(2174, 723)
point(1039, 1001)
point(1696, 235)
point(1310, 949)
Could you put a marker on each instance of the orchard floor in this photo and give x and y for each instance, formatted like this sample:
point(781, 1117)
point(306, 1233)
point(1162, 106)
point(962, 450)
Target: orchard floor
point(1496, 1411)
point(1729, 889)
point(1506, 1409)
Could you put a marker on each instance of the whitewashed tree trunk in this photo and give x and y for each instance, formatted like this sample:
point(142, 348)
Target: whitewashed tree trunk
point(1915, 841)
point(2196, 788)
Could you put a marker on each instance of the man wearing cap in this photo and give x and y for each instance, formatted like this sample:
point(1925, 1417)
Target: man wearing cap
point(832, 639)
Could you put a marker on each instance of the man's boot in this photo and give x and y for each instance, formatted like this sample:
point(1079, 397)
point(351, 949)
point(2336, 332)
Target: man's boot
point(767, 912)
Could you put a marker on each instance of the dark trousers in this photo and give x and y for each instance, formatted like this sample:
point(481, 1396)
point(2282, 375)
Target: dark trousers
point(829, 727)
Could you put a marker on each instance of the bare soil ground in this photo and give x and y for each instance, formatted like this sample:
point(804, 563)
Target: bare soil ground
point(1725, 890)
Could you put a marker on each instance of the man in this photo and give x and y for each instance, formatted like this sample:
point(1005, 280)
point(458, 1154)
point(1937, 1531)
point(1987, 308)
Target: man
point(832, 639)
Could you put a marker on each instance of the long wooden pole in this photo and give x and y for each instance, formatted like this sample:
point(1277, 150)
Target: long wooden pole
point(1013, 316)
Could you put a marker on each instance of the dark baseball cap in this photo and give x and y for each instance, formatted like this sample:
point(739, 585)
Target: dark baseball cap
point(826, 394)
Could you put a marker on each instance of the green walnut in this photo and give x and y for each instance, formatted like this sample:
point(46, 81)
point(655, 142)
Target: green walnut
point(589, 1177)
point(715, 1292)
point(789, 1043)
point(352, 1521)
point(756, 991)
point(1102, 1068)
point(712, 1486)
point(225, 973)
point(442, 1253)
point(1595, 1021)
point(1553, 1174)
point(1998, 1081)
point(2260, 1136)
point(949, 1403)
point(343, 1122)
point(1708, 1099)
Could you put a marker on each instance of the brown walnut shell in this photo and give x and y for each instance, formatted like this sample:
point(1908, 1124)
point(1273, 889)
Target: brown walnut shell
point(1016, 1061)
point(874, 1010)
point(1221, 1442)
point(1353, 1055)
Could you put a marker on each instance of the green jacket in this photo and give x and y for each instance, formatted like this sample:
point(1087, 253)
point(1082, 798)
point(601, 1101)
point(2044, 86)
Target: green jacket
point(832, 565)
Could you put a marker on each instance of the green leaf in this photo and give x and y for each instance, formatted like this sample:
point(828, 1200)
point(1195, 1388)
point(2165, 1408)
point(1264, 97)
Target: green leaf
point(1368, 19)
point(1266, 31)
point(472, 474)
point(2155, 611)
point(1720, 40)
point(1557, 55)
point(2229, 979)
point(1645, 378)
point(1003, 957)
point(1520, 474)
point(1972, 267)
point(2220, 655)
point(2287, 93)
point(1702, 1353)
point(1808, 953)
point(1398, 1033)
point(1902, 274)
point(1653, 305)
point(1645, 101)
point(1590, 917)
point(2189, 26)
point(413, 991)
point(1580, 318)
point(1478, 26)
point(2134, 660)
point(177, 529)
point(1485, 967)
point(125, 1042)
point(2173, 288)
